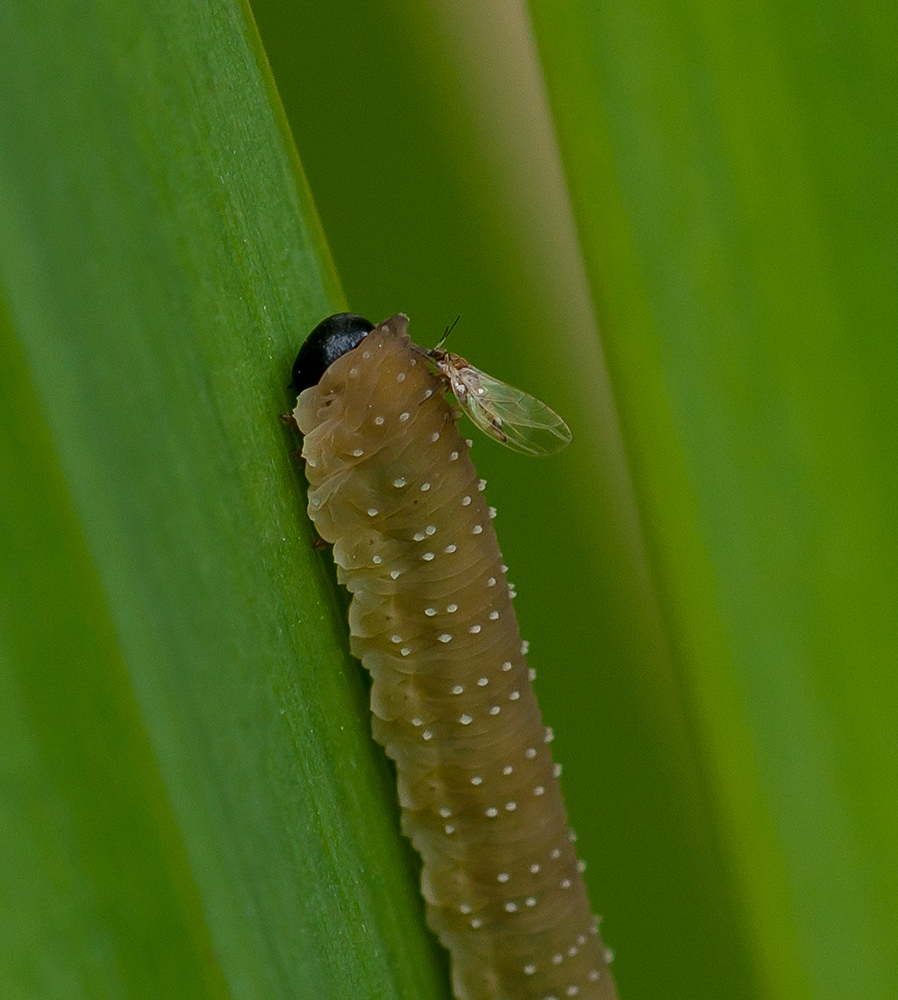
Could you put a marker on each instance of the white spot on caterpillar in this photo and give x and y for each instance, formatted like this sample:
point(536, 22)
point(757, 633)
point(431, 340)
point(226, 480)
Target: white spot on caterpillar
point(531, 674)
point(476, 923)
point(508, 769)
point(557, 959)
point(395, 574)
point(494, 616)
point(427, 734)
point(469, 442)
point(549, 735)
point(466, 719)
point(401, 377)
point(396, 638)
point(405, 651)
point(492, 812)
point(449, 829)
point(535, 869)
point(539, 790)
point(530, 901)
point(474, 629)
point(571, 836)
point(458, 689)
point(514, 696)
point(428, 556)
point(451, 608)
point(425, 487)
point(366, 355)
point(581, 939)
point(482, 681)
point(358, 452)
point(403, 417)
point(555, 853)
point(379, 421)
point(430, 529)
point(453, 456)
point(565, 883)
point(430, 612)
point(572, 991)
point(418, 536)
point(377, 560)
point(435, 437)
point(495, 710)
point(353, 373)
point(450, 549)
point(399, 482)
point(504, 568)
point(506, 666)
point(492, 513)
point(511, 907)
point(445, 812)
point(581, 866)
point(445, 637)
point(556, 770)
point(481, 485)
point(476, 780)
point(373, 512)
point(511, 806)
point(525, 648)
point(465, 908)
point(465, 501)
point(608, 955)
point(529, 970)
point(503, 877)
point(593, 975)
point(491, 582)
point(530, 753)
point(417, 722)
point(477, 529)
point(428, 393)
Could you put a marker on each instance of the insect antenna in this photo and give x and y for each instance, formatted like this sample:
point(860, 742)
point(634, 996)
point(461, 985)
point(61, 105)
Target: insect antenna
point(448, 330)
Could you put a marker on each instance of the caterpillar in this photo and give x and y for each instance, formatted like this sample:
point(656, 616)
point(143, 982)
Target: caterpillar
point(393, 489)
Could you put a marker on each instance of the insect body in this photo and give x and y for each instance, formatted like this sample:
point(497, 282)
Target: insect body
point(520, 421)
point(393, 488)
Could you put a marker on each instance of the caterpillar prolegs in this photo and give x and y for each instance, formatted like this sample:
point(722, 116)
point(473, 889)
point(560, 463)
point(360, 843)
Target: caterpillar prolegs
point(392, 486)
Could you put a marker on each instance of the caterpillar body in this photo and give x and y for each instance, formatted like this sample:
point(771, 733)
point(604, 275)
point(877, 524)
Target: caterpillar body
point(393, 488)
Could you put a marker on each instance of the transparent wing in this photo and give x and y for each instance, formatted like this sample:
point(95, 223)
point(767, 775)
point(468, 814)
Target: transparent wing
point(520, 421)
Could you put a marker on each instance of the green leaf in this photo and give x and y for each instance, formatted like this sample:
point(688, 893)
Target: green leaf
point(747, 200)
point(191, 802)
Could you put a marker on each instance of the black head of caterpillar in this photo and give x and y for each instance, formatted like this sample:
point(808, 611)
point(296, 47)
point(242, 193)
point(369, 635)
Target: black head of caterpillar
point(331, 339)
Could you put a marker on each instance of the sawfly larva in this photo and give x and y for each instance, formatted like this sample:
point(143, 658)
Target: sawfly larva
point(393, 488)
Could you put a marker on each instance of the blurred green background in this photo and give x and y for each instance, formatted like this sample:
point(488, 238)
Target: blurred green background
point(190, 802)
